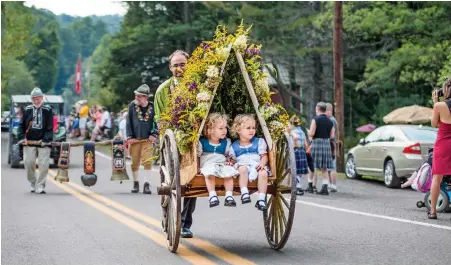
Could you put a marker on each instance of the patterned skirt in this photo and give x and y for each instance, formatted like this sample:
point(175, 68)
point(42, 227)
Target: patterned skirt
point(322, 154)
point(301, 161)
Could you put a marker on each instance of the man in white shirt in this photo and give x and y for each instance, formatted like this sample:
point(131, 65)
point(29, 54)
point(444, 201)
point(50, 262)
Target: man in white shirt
point(106, 120)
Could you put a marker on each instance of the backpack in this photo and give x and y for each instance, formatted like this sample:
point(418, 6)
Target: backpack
point(423, 179)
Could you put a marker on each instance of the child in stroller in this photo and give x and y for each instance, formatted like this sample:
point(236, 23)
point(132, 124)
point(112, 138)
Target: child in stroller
point(421, 181)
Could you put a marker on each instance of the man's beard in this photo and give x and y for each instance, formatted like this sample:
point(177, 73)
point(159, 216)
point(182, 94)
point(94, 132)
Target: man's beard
point(38, 105)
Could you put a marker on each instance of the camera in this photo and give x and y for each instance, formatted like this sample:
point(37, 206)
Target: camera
point(440, 92)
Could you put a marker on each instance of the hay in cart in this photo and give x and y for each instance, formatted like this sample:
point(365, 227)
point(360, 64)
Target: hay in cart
point(224, 75)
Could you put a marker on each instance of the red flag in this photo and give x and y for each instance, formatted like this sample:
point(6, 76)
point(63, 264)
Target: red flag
point(78, 77)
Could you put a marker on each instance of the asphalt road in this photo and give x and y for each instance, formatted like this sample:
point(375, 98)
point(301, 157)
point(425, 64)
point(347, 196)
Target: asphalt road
point(364, 223)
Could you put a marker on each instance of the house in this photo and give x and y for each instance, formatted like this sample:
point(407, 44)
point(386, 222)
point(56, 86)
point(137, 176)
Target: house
point(281, 96)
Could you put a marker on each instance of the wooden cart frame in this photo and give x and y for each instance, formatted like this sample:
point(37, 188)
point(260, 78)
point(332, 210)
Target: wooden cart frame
point(177, 183)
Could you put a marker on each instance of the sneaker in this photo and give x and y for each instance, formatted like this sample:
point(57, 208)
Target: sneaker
point(135, 187)
point(323, 190)
point(186, 233)
point(299, 192)
point(333, 189)
point(146, 188)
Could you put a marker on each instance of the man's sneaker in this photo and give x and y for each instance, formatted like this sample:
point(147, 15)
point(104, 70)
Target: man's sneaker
point(333, 189)
point(146, 189)
point(323, 190)
point(186, 233)
point(135, 187)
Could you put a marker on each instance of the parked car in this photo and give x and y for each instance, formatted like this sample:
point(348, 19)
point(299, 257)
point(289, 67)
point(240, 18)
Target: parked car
point(5, 121)
point(393, 152)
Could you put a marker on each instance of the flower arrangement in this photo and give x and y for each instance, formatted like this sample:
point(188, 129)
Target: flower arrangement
point(205, 72)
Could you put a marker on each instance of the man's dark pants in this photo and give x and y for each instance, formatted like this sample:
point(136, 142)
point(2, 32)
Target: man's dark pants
point(189, 205)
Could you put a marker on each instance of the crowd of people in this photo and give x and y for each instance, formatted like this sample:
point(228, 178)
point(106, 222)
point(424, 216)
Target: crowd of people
point(316, 153)
point(92, 123)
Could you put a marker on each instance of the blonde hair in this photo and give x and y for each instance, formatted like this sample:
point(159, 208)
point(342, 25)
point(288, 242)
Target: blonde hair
point(239, 120)
point(212, 119)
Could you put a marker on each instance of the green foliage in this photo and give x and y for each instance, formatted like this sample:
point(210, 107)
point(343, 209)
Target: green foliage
point(43, 54)
point(17, 23)
point(19, 80)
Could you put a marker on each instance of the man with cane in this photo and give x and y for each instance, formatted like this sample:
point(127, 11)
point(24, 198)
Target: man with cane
point(36, 125)
point(141, 126)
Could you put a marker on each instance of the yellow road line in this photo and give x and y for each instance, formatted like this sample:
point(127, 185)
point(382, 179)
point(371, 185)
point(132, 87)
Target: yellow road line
point(212, 249)
point(183, 251)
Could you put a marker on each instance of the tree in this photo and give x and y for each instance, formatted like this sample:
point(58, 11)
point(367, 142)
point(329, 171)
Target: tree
point(151, 31)
point(19, 81)
point(42, 57)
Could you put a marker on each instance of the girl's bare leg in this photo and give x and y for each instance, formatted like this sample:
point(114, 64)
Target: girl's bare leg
point(228, 184)
point(262, 181)
point(244, 178)
point(210, 183)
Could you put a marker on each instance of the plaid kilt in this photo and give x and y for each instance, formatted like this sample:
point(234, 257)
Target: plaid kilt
point(322, 154)
point(301, 161)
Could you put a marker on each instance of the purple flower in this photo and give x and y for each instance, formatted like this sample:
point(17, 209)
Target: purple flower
point(193, 86)
point(253, 51)
point(206, 46)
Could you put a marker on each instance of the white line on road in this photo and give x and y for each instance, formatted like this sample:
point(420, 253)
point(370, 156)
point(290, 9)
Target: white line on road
point(109, 158)
point(374, 215)
point(345, 210)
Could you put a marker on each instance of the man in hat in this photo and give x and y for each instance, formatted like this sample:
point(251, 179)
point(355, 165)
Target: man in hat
point(141, 125)
point(177, 64)
point(36, 125)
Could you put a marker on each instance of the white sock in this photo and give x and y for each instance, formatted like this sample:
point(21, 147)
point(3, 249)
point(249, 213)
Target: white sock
point(243, 191)
point(211, 195)
point(325, 181)
point(147, 176)
point(298, 181)
point(135, 176)
point(229, 193)
point(261, 196)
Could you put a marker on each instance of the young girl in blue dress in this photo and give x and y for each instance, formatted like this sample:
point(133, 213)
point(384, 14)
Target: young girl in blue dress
point(251, 156)
point(300, 147)
point(213, 150)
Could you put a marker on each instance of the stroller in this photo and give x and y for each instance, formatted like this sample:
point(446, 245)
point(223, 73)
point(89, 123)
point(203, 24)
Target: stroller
point(421, 181)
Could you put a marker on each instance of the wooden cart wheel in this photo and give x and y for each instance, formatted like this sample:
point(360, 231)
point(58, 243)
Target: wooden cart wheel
point(278, 219)
point(171, 204)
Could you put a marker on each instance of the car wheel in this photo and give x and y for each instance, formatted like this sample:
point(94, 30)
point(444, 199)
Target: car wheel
point(442, 202)
point(390, 178)
point(351, 171)
point(15, 156)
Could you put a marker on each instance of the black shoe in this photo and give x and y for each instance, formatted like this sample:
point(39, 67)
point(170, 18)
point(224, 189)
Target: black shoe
point(310, 188)
point(314, 189)
point(323, 190)
point(262, 206)
point(214, 203)
point(135, 187)
point(42, 192)
point(186, 233)
point(299, 192)
point(229, 202)
point(245, 200)
point(146, 189)
point(432, 216)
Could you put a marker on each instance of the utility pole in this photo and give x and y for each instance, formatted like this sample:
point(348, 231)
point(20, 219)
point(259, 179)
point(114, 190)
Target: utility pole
point(338, 82)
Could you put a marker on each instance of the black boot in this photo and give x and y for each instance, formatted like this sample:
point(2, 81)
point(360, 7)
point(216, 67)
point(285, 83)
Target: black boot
point(323, 190)
point(135, 187)
point(310, 187)
point(146, 189)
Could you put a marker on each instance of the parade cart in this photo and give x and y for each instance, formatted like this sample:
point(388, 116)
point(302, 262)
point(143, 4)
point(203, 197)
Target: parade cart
point(15, 152)
point(237, 89)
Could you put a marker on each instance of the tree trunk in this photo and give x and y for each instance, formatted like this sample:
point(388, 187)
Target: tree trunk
point(338, 81)
point(317, 93)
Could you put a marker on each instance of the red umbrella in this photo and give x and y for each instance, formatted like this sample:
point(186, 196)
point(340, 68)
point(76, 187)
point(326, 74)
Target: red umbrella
point(366, 128)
